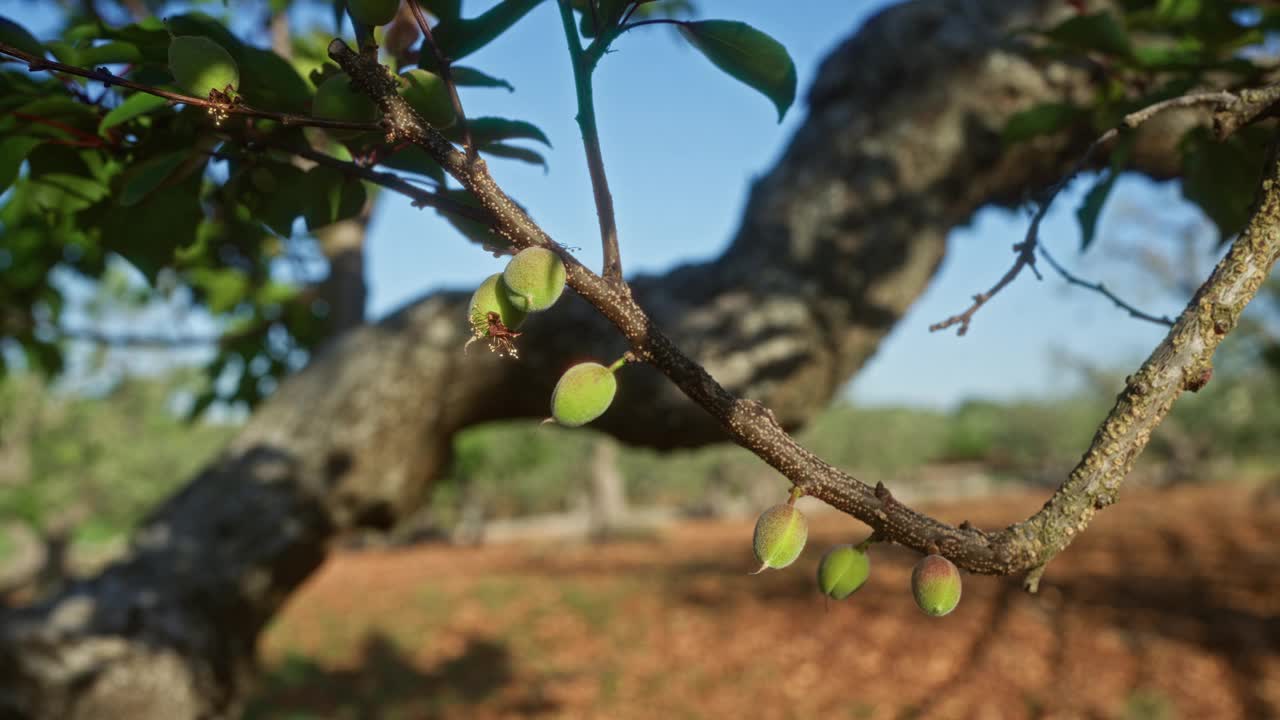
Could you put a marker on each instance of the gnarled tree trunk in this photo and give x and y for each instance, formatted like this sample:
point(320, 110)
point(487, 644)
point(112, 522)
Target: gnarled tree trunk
point(902, 143)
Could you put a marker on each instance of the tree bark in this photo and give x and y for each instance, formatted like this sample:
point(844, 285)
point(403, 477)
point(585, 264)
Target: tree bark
point(902, 143)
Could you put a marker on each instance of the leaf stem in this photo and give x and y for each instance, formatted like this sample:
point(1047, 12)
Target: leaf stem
point(446, 74)
point(583, 65)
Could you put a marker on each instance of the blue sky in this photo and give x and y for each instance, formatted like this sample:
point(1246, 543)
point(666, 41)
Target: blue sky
point(682, 141)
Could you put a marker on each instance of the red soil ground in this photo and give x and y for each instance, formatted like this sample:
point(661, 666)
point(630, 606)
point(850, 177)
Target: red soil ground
point(1167, 607)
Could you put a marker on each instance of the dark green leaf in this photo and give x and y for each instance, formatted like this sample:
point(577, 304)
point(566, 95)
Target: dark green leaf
point(143, 177)
point(748, 55)
point(147, 233)
point(1043, 119)
point(1222, 177)
point(133, 106)
point(478, 233)
point(110, 53)
point(1091, 208)
point(458, 38)
point(269, 81)
point(13, 151)
point(515, 152)
point(488, 130)
point(279, 207)
point(332, 196)
point(201, 24)
point(607, 13)
point(464, 76)
point(11, 33)
point(416, 160)
point(1097, 32)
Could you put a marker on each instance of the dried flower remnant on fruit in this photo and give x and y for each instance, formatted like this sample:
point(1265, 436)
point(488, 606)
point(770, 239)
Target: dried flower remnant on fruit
point(492, 316)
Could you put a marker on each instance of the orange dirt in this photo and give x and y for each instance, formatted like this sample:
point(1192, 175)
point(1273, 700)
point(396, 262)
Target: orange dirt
point(1167, 607)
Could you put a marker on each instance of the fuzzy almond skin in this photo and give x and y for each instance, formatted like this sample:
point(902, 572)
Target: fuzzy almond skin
point(935, 582)
point(491, 296)
point(200, 65)
point(536, 277)
point(427, 93)
point(780, 535)
point(843, 571)
point(583, 393)
point(373, 12)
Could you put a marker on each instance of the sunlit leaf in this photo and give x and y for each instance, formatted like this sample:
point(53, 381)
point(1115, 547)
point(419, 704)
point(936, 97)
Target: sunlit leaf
point(748, 55)
point(132, 107)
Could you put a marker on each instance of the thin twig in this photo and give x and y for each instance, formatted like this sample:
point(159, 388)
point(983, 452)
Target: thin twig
point(1227, 102)
point(35, 64)
point(1098, 287)
point(446, 74)
point(582, 69)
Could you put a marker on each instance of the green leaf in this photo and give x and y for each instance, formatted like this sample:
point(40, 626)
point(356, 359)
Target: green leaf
point(332, 196)
point(464, 76)
point(11, 33)
point(515, 152)
point(458, 38)
point(1098, 32)
point(278, 208)
point(269, 81)
point(748, 55)
point(132, 107)
point(416, 160)
point(1045, 119)
point(476, 232)
point(1091, 207)
point(221, 288)
point(13, 151)
point(110, 53)
point(143, 177)
point(487, 130)
point(606, 15)
point(1222, 177)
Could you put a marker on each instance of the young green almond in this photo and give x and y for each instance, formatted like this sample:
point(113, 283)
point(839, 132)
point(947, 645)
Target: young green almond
point(780, 534)
point(935, 582)
point(200, 66)
point(490, 301)
point(336, 100)
point(536, 277)
point(842, 571)
point(583, 393)
point(428, 94)
point(373, 12)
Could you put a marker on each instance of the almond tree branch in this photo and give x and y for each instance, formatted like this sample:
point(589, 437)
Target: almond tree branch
point(1179, 362)
point(35, 64)
point(1098, 287)
point(583, 66)
point(1235, 109)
